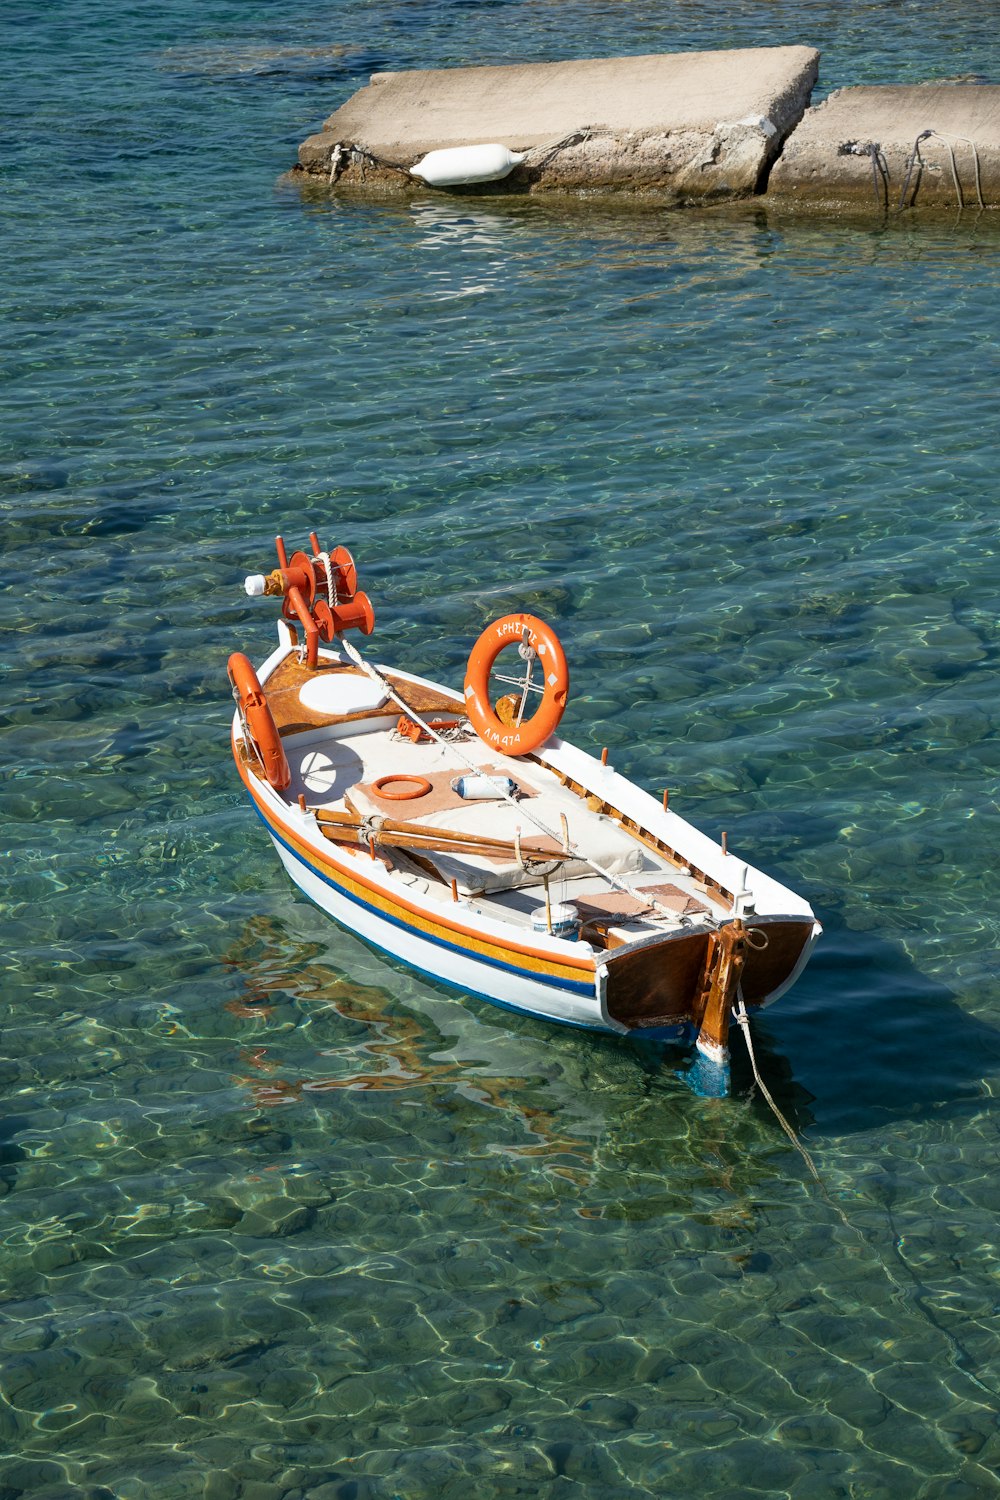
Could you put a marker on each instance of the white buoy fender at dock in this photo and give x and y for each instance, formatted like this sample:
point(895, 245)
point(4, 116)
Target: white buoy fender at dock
point(456, 165)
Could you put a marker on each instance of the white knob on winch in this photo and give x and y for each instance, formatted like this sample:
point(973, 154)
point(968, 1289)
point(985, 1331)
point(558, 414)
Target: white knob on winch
point(255, 584)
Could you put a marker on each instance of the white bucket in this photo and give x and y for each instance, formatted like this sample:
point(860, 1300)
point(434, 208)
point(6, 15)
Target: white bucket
point(565, 921)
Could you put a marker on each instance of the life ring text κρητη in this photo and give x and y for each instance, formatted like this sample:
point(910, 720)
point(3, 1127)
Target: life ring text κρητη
point(536, 640)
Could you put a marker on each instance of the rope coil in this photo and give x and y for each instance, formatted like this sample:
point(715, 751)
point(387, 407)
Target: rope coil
point(332, 597)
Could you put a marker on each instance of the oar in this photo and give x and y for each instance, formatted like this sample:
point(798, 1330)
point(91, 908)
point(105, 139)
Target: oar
point(424, 830)
point(343, 828)
point(445, 845)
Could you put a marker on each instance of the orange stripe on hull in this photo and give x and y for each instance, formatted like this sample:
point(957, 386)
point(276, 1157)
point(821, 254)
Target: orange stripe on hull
point(512, 954)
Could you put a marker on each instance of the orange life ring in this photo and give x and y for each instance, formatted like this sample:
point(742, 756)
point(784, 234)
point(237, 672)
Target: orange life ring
point(258, 721)
point(418, 786)
point(527, 736)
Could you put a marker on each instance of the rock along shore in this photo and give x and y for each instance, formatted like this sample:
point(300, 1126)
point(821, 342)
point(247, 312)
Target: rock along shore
point(674, 127)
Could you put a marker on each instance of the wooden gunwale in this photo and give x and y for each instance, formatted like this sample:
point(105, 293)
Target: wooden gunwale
point(636, 829)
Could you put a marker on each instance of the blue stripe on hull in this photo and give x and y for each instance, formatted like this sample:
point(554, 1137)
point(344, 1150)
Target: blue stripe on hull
point(682, 1032)
point(571, 986)
point(451, 984)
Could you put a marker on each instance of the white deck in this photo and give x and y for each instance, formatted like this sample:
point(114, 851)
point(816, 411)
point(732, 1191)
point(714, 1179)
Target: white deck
point(329, 764)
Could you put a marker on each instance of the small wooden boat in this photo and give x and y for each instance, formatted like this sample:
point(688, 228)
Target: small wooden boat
point(457, 832)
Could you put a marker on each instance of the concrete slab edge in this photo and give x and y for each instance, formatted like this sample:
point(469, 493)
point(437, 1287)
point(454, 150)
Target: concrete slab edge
point(882, 149)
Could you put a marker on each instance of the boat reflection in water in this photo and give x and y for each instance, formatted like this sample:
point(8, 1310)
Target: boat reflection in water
point(599, 1116)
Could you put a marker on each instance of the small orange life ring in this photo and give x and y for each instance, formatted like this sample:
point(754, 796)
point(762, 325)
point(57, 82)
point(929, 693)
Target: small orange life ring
point(516, 739)
point(415, 786)
point(258, 721)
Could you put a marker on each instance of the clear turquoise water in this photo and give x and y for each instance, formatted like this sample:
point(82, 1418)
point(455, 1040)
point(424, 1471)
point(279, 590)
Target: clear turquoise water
point(280, 1219)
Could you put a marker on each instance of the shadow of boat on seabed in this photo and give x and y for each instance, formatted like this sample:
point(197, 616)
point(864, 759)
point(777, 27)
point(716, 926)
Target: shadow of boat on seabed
point(866, 1037)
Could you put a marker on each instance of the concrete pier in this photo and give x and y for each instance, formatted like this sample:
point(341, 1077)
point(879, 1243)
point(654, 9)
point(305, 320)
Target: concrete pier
point(675, 127)
point(679, 126)
point(934, 145)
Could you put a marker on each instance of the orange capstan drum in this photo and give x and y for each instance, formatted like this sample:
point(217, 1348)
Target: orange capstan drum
point(508, 731)
point(298, 579)
point(260, 730)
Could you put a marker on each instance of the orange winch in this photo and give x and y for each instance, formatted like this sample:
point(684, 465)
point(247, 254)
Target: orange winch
point(407, 730)
point(320, 591)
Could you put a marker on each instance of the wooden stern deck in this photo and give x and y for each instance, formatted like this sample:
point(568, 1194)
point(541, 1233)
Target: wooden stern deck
point(291, 716)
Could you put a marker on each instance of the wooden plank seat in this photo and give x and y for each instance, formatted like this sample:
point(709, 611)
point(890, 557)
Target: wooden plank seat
point(619, 906)
point(611, 918)
point(476, 874)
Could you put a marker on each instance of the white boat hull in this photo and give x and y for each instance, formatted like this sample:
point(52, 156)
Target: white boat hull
point(439, 961)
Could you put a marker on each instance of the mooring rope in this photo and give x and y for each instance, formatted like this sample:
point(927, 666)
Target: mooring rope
point(341, 157)
point(947, 137)
point(880, 170)
point(743, 1021)
point(548, 149)
point(963, 1358)
point(914, 157)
